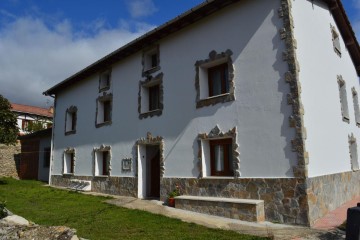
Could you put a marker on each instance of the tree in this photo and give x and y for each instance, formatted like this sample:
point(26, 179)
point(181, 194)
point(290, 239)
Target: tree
point(8, 123)
point(35, 126)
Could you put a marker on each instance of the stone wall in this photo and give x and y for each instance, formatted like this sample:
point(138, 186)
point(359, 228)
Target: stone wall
point(326, 193)
point(285, 199)
point(123, 186)
point(9, 160)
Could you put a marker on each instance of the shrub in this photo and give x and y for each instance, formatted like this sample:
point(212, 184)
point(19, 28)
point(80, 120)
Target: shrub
point(3, 212)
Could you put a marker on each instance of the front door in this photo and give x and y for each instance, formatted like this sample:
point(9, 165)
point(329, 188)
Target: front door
point(153, 171)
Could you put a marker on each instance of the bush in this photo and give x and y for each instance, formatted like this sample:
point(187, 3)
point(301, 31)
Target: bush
point(3, 212)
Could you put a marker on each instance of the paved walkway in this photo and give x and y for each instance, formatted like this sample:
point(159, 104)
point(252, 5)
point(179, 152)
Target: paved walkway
point(266, 229)
point(336, 217)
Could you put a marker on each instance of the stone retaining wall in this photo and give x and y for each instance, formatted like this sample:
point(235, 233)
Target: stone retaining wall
point(285, 199)
point(10, 160)
point(326, 193)
point(123, 186)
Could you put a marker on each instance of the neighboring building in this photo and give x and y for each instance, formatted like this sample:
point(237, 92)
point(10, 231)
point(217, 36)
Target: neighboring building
point(28, 115)
point(35, 155)
point(215, 102)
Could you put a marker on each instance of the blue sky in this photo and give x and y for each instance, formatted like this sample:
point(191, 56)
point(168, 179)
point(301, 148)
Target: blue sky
point(42, 42)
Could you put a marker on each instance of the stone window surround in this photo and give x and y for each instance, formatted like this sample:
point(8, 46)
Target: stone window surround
point(214, 134)
point(70, 110)
point(67, 151)
point(213, 57)
point(156, 49)
point(101, 89)
point(126, 164)
point(104, 97)
point(150, 140)
point(356, 106)
point(151, 81)
point(335, 37)
point(352, 140)
point(102, 148)
point(341, 82)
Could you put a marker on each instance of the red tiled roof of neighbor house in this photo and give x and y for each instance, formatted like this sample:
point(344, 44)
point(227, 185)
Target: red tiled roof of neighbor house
point(46, 112)
point(193, 15)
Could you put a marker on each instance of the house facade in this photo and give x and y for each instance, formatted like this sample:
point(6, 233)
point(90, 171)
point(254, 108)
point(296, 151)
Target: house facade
point(27, 116)
point(237, 99)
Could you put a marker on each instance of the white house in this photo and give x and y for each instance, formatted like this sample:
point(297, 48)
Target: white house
point(250, 106)
point(27, 115)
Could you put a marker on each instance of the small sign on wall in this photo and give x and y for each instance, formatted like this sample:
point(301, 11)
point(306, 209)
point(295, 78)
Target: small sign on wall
point(126, 164)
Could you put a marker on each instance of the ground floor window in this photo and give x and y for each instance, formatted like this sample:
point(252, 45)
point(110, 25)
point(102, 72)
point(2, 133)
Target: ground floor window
point(102, 161)
point(69, 161)
point(221, 157)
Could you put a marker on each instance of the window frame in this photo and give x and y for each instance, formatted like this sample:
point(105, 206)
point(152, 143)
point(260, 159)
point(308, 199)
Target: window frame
point(356, 106)
point(202, 83)
point(69, 161)
point(148, 61)
point(336, 40)
point(70, 120)
point(343, 99)
point(104, 87)
point(101, 115)
point(354, 157)
point(103, 156)
point(144, 108)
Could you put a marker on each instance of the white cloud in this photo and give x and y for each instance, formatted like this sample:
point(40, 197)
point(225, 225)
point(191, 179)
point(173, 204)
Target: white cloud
point(35, 56)
point(141, 8)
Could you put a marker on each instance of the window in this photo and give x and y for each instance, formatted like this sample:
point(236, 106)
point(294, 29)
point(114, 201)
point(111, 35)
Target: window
point(353, 153)
point(47, 154)
point(218, 80)
point(70, 120)
point(104, 80)
point(214, 80)
point(69, 162)
point(343, 100)
point(104, 110)
point(356, 107)
point(102, 161)
point(154, 97)
point(336, 40)
point(221, 157)
point(151, 97)
point(151, 60)
point(26, 124)
point(218, 154)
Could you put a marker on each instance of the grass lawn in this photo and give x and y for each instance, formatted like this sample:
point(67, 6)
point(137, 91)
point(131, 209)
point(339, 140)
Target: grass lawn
point(95, 219)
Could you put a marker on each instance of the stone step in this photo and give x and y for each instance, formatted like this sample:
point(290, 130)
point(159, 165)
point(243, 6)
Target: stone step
point(242, 209)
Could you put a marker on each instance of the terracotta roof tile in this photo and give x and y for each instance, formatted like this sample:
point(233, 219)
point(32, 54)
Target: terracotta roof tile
point(32, 110)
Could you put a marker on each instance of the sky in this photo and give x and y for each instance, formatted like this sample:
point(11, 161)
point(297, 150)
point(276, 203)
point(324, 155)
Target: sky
point(42, 42)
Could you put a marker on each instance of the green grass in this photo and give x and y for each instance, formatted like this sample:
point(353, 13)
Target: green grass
point(95, 219)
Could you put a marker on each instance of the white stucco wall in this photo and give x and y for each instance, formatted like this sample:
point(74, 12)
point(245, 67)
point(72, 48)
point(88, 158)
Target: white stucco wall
point(250, 29)
point(327, 135)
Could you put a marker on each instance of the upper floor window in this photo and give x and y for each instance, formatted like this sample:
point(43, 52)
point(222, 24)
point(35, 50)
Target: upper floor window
point(151, 97)
point(343, 99)
point(214, 80)
point(70, 120)
point(336, 40)
point(353, 153)
point(151, 60)
point(104, 110)
point(356, 106)
point(104, 80)
point(26, 124)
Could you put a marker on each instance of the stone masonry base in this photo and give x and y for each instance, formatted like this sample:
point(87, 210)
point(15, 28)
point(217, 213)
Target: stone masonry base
point(285, 199)
point(10, 160)
point(123, 186)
